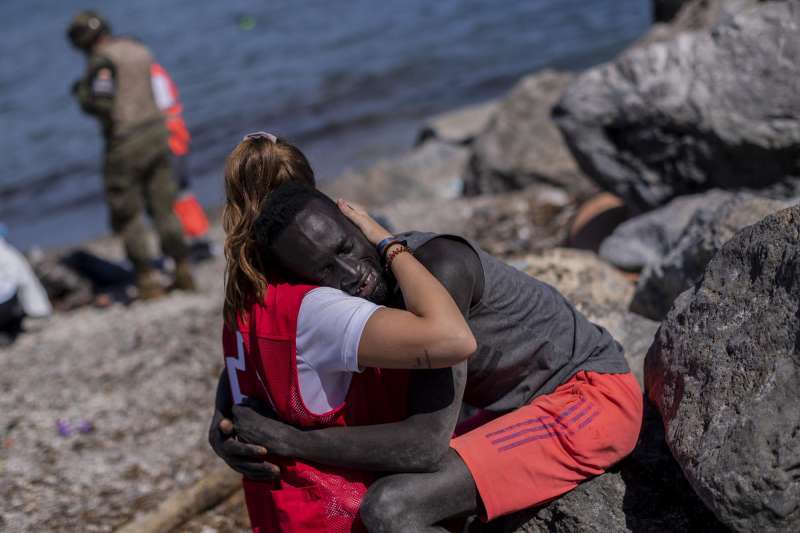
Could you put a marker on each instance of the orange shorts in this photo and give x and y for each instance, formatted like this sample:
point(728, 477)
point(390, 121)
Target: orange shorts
point(544, 449)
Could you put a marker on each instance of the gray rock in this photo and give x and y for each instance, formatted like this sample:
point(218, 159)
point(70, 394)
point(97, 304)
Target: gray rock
point(460, 126)
point(581, 276)
point(433, 170)
point(505, 225)
point(647, 238)
point(521, 145)
point(709, 109)
point(661, 282)
point(724, 373)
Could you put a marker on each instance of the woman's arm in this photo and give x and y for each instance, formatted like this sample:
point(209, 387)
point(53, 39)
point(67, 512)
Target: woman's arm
point(430, 333)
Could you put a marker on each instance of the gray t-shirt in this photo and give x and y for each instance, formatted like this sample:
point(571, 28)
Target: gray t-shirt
point(530, 338)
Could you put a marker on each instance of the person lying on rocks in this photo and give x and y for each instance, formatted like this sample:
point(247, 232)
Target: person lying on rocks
point(559, 403)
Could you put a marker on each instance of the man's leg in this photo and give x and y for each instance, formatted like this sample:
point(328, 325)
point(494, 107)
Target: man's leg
point(546, 448)
point(415, 502)
point(161, 192)
point(519, 460)
point(123, 194)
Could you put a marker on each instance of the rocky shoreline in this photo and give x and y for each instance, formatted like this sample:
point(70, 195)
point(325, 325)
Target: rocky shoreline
point(696, 131)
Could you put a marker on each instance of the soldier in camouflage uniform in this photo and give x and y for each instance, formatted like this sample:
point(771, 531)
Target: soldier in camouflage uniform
point(137, 173)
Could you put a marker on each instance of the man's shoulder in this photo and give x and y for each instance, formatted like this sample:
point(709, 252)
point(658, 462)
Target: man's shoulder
point(447, 252)
point(122, 46)
point(456, 263)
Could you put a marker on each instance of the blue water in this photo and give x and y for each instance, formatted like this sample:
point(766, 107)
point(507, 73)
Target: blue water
point(349, 81)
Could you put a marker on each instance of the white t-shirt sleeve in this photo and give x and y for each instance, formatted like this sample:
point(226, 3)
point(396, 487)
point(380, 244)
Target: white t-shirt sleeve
point(329, 328)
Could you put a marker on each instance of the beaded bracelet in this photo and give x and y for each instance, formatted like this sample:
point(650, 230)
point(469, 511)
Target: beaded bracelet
point(394, 253)
point(386, 243)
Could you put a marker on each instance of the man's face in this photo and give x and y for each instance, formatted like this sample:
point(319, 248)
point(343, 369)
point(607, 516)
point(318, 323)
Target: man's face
point(321, 247)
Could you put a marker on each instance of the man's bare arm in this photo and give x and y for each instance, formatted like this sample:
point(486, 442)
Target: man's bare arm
point(415, 444)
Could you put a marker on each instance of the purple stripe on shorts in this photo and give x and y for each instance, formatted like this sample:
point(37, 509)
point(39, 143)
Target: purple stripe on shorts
point(545, 427)
point(564, 414)
point(549, 435)
point(525, 441)
point(588, 420)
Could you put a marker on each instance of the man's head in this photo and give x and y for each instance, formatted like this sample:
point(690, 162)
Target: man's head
point(302, 231)
point(86, 28)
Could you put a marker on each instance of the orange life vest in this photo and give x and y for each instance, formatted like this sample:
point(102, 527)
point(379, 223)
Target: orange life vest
point(168, 101)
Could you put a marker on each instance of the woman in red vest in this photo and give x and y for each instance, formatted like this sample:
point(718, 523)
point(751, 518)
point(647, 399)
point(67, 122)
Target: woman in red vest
point(317, 355)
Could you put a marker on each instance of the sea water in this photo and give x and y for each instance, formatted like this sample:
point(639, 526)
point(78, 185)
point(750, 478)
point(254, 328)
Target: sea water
point(349, 81)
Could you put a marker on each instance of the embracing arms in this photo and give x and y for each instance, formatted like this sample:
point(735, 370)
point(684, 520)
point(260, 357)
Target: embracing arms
point(411, 445)
point(415, 444)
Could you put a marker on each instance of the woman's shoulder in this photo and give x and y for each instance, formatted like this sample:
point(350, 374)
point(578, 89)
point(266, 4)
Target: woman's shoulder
point(275, 311)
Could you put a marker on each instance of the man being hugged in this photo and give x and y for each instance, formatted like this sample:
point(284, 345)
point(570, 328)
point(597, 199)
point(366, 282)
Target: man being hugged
point(559, 404)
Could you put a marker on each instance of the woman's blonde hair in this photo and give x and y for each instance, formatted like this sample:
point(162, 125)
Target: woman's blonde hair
point(254, 168)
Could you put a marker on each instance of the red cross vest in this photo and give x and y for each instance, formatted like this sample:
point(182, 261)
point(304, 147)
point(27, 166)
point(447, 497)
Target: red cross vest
point(260, 358)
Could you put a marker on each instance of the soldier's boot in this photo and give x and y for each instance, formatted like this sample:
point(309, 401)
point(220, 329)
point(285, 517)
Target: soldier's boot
point(149, 285)
point(184, 280)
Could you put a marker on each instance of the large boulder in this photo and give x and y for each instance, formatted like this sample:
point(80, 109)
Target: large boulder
point(724, 373)
point(718, 108)
point(707, 231)
point(521, 145)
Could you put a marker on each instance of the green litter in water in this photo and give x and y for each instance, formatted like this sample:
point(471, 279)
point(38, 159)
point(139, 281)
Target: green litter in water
point(247, 23)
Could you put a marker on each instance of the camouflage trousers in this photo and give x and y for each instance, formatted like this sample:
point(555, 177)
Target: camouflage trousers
point(137, 175)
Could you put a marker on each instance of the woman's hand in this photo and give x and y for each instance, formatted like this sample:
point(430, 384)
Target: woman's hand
point(373, 231)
